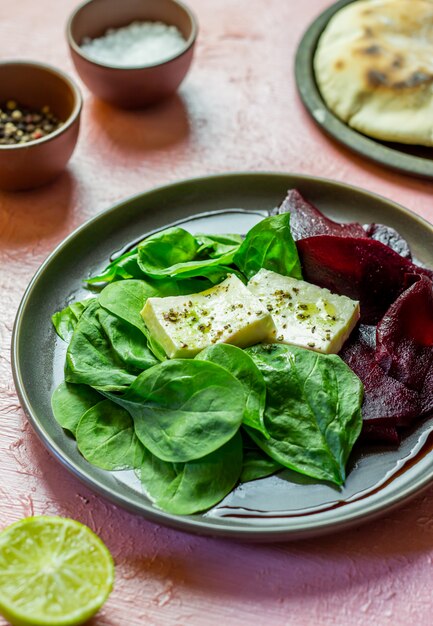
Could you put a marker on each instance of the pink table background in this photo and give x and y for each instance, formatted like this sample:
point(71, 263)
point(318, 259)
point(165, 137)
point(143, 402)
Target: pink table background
point(237, 110)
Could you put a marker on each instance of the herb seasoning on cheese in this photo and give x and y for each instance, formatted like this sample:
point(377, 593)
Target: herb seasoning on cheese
point(305, 315)
point(227, 313)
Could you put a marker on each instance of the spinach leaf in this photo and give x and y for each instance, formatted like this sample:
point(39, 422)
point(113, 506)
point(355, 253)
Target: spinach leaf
point(215, 246)
point(106, 438)
point(186, 488)
point(106, 352)
point(176, 253)
point(257, 465)
point(70, 402)
point(65, 321)
point(170, 246)
point(166, 248)
point(184, 409)
point(269, 245)
point(123, 268)
point(238, 363)
point(126, 299)
point(313, 410)
point(127, 342)
point(212, 269)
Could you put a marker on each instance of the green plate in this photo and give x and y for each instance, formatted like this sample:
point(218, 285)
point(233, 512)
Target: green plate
point(285, 506)
point(414, 160)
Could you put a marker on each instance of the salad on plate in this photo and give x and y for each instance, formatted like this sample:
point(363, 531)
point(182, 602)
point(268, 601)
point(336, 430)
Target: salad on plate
point(205, 361)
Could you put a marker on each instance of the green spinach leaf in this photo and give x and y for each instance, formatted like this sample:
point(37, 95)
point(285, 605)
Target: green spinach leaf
point(106, 438)
point(214, 270)
point(257, 464)
point(214, 246)
point(127, 342)
point(123, 268)
point(313, 410)
point(162, 250)
point(184, 409)
point(238, 363)
point(105, 351)
point(70, 402)
point(126, 299)
point(176, 253)
point(65, 321)
point(186, 488)
point(269, 245)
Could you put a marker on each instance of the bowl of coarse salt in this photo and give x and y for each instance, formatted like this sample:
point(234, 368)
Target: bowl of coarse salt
point(132, 53)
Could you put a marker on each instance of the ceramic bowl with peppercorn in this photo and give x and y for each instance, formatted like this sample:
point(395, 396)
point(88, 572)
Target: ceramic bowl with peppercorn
point(132, 53)
point(39, 122)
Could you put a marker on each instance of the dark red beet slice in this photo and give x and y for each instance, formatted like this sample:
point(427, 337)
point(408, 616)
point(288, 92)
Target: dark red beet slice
point(307, 221)
point(363, 269)
point(390, 237)
point(388, 404)
point(378, 433)
point(404, 340)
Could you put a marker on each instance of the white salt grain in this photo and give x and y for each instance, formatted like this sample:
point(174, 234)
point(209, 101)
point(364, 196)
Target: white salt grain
point(140, 43)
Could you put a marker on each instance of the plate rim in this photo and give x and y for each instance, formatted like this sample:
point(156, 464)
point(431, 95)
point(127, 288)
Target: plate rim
point(186, 523)
point(330, 124)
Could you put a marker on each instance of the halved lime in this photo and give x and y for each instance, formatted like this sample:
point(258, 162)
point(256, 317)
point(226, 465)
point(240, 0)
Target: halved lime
point(54, 571)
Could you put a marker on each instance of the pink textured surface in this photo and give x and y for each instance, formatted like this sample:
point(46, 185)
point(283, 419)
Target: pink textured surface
point(237, 110)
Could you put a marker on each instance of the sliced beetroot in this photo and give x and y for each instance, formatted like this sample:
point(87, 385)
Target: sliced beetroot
point(390, 237)
point(380, 434)
point(307, 221)
point(362, 269)
point(395, 363)
point(388, 404)
point(404, 340)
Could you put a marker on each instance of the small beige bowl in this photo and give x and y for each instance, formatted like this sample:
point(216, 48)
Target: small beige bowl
point(34, 85)
point(130, 87)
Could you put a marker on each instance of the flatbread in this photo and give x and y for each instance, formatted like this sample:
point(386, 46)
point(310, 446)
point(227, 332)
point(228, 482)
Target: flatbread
point(374, 68)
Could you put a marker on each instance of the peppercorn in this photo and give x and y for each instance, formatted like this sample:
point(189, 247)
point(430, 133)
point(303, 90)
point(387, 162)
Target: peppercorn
point(19, 124)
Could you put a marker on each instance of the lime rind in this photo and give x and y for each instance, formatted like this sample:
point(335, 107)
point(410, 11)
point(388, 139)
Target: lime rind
point(54, 571)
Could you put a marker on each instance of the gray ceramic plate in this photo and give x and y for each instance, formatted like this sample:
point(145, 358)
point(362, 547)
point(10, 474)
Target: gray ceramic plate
point(286, 506)
point(415, 160)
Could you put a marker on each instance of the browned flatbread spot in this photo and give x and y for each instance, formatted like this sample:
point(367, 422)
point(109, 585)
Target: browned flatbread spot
point(417, 79)
point(376, 78)
point(373, 50)
point(398, 62)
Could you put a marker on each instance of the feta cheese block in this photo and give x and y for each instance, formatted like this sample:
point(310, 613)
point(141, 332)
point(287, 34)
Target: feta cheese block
point(305, 315)
point(226, 313)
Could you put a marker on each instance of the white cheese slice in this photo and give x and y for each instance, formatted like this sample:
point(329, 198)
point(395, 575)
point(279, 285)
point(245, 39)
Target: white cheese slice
point(226, 313)
point(305, 315)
